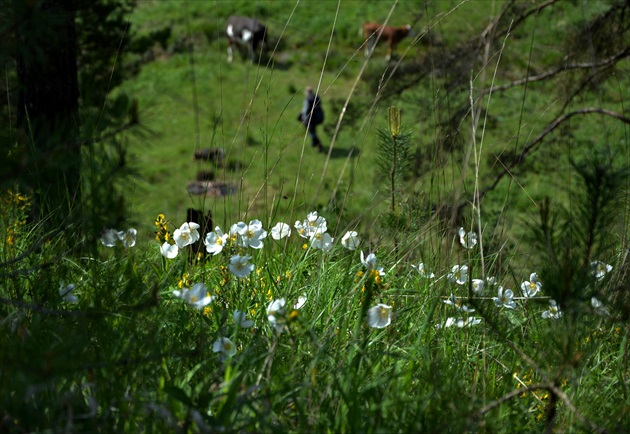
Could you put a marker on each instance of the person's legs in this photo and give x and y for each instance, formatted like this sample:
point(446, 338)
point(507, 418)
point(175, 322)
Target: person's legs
point(315, 140)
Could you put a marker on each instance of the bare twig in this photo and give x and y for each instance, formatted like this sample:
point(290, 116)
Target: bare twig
point(545, 75)
point(565, 399)
point(530, 146)
point(541, 386)
point(508, 396)
point(519, 20)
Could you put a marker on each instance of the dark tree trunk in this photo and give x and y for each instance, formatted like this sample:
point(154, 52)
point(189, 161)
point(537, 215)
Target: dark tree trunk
point(47, 113)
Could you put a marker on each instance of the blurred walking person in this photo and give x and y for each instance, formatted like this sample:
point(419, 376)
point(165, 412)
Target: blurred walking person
point(311, 116)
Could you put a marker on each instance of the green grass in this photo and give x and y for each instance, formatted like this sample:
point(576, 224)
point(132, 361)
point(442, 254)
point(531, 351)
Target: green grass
point(132, 356)
point(250, 110)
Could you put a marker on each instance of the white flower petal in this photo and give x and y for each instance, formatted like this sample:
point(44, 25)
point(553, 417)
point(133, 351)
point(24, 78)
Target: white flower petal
point(350, 240)
point(109, 237)
point(169, 251)
point(280, 231)
point(379, 316)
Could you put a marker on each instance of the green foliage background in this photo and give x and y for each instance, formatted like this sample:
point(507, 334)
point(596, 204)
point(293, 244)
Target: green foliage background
point(190, 98)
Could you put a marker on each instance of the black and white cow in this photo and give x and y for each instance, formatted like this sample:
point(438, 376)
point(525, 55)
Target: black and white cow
point(247, 34)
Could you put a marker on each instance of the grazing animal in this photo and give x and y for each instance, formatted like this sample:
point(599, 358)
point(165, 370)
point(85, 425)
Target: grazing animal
point(392, 35)
point(246, 34)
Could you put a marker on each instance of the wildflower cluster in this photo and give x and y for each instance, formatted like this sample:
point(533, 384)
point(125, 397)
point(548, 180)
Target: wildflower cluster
point(162, 233)
point(541, 396)
point(371, 281)
point(236, 250)
point(20, 204)
point(314, 229)
point(459, 276)
point(238, 246)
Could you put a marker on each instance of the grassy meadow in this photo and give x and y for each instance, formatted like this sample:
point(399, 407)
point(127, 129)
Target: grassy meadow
point(189, 98)
point(462, 270)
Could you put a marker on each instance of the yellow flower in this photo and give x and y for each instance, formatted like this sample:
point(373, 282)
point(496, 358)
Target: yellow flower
point(359, 276)
point(184, 281)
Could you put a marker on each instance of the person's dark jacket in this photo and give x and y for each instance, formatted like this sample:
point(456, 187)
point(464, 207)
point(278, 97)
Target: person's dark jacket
point(317, 117)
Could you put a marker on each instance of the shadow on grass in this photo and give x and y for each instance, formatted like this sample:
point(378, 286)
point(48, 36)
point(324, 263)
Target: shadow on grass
point(351, 152)
point(281, 65)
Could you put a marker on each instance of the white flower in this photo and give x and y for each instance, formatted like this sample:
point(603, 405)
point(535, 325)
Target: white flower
point(379, 316)
point(302, 230)
point(225, 347)
point(553, 312)
point(240, 266)
point(300, 302)
point(459, 322)
point(369, 261)
point(491, 281)
point(186, 234)
point(423, 272)
point(350, 240)
point(599, 307)
point(468, 240)
point(233, 234)
point(530, 288)
point(215, 241)
point(251, 235)
point(321, 240)
point(128, 237)
point(240, 318)
point(198, 296)
point(109, 237)
point(315, 222)
point(280, 231)
point(504, 298)
point(275, 313)
point(453, 301)
point(66, 293)
point(169, 251)
point(478, 286)
point(600, 269)
point(458, 274)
